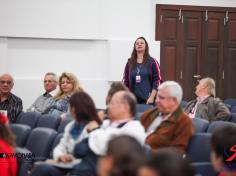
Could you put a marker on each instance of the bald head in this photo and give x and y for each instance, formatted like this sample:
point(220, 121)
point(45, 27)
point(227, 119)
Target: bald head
point(122, 105)
point(6, 84)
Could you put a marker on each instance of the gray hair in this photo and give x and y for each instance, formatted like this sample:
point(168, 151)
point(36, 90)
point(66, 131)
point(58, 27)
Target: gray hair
point(175, 90)
point(211, 85)
point(52, 74)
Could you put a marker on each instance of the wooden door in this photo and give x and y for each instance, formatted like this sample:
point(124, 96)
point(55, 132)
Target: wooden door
point(169, 34)
point(212, 48)
point(191, 51)
point(197, 40)
point(229, 65)
point(181, 31)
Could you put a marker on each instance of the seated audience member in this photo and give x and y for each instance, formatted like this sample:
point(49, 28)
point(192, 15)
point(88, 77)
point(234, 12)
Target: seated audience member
point(167, 125)
point(223, 148)
point(166, 162)
point(8, 165)
point(115, 87)
point(83, 111)
point(123, 160)
point(45, 100)
point(10, 103)
point(121, 111)
point(68, 84)
point(207, 106)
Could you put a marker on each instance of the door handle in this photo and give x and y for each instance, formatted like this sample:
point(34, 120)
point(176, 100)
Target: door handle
point(197, 76)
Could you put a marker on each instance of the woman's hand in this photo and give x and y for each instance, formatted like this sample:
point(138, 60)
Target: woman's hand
point(150, 100)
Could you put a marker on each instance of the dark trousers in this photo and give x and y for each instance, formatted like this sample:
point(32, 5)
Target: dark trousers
point(48, 170)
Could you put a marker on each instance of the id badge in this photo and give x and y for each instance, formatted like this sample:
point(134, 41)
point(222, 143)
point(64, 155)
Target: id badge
point(138, 79)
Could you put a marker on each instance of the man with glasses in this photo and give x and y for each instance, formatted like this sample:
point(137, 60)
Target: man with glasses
point(10, 104)
point(45, 100)
point(167, 125)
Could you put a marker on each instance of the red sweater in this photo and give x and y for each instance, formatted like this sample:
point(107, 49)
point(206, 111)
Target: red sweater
point(8, 166)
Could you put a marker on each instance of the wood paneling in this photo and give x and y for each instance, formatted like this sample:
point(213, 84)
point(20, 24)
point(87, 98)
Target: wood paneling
point(198, 40)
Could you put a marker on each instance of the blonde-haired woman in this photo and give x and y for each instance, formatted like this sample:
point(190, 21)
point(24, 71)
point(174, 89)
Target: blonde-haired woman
point(68, 84)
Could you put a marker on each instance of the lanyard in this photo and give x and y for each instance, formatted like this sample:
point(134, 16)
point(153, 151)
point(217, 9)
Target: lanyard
point(139, 69)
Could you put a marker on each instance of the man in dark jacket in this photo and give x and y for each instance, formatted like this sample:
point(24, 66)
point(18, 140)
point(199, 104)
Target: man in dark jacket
point(206, 105)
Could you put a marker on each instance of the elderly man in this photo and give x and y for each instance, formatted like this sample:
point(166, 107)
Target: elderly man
point(207, 106)
point(45, 100)
point(10, 103)
point(167, 125)
point(121, 110)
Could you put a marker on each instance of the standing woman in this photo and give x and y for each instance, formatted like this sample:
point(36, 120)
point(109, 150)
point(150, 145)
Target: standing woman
point(142, 73)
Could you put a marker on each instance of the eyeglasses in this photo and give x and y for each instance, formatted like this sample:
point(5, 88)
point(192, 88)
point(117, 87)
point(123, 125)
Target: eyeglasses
point(49, 81)
point(5, 82)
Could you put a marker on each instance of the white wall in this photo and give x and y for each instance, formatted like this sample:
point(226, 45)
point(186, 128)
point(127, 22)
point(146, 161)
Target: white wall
point(91, 38)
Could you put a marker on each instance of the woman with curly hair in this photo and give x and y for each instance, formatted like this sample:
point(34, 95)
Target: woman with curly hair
point(68, 84)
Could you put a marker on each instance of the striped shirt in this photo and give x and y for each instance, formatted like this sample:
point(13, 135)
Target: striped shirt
point(13, 106)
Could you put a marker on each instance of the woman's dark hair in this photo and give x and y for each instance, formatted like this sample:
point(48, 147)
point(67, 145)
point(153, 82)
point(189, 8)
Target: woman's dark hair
point(167, 162)
point(222, 140)
point(84, 107)
point(128, 155)
point(133, 58)
point(7, 135)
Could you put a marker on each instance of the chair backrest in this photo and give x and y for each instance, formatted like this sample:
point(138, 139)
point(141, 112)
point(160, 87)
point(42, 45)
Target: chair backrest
point(19, 116)
point(55, 142)
point(233, 118)
point(48, 121)
point(200, 125)
point(198, 149)
point(213, 126)
point(138, 115)
point(62, 125)
point(21, 132)
point(143, 107)
point(230, 101)
point(204, 169)
point(228, 106)
point(233, 109)
point(40, 142)
point(28, 118)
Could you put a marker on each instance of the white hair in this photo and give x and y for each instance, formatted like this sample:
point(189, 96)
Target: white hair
point(175, 90)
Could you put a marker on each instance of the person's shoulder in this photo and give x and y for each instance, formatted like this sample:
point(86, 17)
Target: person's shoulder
point(69, 126)
point(214, 100)
point(149, 113)
point(15, 98)
point(4, 146)
point(153, 60)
